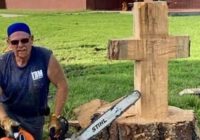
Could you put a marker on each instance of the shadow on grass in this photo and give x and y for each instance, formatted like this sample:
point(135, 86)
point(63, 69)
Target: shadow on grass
point(181, 73)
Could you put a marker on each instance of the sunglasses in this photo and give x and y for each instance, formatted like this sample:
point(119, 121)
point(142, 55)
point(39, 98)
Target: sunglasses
point(23, 41)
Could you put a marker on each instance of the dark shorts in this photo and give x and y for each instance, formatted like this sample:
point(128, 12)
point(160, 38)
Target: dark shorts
point(34, 125)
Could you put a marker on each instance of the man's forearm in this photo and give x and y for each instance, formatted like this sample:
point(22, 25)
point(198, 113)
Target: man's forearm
point(2, 112)
point(61, 98)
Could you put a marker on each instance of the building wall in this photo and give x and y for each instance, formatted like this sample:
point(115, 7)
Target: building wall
point(184, 4)
point(46, 4)
point(72, 5)
point(2, 4)
point(103, 4)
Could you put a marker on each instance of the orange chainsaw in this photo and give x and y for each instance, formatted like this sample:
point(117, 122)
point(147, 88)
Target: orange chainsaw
point(19, 134)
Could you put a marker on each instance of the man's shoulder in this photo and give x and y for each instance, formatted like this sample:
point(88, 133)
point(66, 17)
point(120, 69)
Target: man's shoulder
point(41, 53)
point(39, 49)
point(5, 60)
point(5, 56)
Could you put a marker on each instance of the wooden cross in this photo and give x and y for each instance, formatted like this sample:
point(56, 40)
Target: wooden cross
point(151, 48)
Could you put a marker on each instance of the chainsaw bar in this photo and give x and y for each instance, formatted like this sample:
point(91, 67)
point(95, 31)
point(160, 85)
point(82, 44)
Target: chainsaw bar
point(107, 117)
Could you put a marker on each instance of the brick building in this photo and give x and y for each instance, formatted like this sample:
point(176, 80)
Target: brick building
point(44, 4)
point(184, 4)
point(87, 4)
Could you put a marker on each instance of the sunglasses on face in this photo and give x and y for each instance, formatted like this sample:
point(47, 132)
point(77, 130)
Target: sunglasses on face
point(23, 41)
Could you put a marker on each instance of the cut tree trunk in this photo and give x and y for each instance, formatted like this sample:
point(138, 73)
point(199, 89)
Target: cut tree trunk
point(85, 112)
point(179, 125)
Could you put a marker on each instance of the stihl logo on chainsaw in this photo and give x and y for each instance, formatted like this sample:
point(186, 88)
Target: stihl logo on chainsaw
point(107, 117)
point(97, 126)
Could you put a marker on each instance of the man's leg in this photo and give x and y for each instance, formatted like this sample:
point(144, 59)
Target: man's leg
point(33, 125)
point(2, 133)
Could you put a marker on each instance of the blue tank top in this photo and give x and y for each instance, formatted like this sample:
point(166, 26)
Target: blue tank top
point(25, 90)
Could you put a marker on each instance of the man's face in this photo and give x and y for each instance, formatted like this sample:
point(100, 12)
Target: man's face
point(21, 44)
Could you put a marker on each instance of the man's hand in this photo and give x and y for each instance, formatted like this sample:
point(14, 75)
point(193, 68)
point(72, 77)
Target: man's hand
point(54, 126)
point(7, 124)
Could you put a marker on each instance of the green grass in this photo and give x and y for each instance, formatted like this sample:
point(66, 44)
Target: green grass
point(79, 41)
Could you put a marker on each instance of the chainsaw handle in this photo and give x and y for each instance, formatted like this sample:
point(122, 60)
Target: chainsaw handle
point(52, 133)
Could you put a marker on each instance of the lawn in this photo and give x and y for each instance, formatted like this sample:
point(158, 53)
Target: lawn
point(79, 41)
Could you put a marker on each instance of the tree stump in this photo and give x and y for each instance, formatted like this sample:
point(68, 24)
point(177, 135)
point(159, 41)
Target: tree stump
point(179, 125)
point(85, 112)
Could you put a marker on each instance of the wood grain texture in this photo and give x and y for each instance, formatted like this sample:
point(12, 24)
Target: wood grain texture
point(152, 47)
